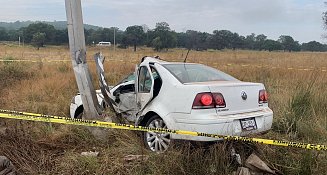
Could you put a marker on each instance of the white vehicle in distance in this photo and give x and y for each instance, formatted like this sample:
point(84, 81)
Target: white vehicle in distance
point(103, 43)
point(186, 96)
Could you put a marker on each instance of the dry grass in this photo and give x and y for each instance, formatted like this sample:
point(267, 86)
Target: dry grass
point(296, 83)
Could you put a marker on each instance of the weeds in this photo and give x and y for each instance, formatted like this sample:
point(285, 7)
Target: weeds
point(12, 72)
point(64, 68)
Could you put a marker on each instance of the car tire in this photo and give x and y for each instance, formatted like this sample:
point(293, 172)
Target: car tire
point(156, 142)
point(79, 112)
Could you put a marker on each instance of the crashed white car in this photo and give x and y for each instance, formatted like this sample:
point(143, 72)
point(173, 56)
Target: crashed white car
point(185, 96)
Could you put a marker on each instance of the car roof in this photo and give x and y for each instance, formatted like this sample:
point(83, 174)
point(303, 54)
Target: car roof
point(159, 61)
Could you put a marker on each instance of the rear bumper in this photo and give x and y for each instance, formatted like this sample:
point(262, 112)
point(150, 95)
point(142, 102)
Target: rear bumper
point(222, 125)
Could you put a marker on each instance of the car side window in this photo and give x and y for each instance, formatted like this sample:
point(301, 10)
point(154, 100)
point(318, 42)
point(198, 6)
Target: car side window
point(145, 81)
point(157, 82)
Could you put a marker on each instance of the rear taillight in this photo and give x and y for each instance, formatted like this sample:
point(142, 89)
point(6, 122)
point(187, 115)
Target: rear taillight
point(203, 100)
point(263, 96)
point(219, 100)
point(208, 100)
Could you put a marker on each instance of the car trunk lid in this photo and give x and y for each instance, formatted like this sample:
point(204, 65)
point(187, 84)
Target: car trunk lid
point(239, 96)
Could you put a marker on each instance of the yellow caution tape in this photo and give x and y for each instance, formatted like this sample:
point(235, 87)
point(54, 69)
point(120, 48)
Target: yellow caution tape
point(93, 123)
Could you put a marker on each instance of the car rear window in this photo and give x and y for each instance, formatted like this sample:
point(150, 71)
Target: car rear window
point(188, 73)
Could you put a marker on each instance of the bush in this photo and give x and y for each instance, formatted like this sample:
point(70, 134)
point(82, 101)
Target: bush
point(11, 72)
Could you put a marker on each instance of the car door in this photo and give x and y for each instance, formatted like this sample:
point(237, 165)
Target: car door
point(143, 86)
point(105, 89)
point(101, 77)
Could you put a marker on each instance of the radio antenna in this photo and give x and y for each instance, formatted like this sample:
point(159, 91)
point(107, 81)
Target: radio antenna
point(186, 55)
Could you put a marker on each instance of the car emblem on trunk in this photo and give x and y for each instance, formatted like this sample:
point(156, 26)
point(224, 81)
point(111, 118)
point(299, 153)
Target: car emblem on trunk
point(244, 95)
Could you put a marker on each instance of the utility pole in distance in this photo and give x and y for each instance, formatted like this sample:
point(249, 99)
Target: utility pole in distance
point(114, 38)
point(78, 55)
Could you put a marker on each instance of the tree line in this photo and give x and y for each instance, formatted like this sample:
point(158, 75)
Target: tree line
point(162, 37)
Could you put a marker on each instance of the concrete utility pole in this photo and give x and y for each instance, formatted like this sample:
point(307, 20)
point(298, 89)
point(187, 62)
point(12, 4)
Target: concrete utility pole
point(78, 55)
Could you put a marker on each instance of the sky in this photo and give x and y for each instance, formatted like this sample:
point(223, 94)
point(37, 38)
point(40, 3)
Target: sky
point(301, 19)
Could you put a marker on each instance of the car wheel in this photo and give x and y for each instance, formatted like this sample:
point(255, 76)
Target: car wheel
point(156, 142)
point(79, 112)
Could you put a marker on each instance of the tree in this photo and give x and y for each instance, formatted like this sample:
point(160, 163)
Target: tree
point(34, 28)
point(146, 30)
point(296, 46)
point(313, 46)
point(38, 39)
point(13, 35)
point(103, 34)
point(237, 41)
point(60, 37)
point(181, 39)
point(259, 41)
point(221, 39)
point(191, 39)
point(202, 41)
point(250, 41)
point(288, 43)
point(161, 37)
point(272, 45)
point(196, 40)
point(157, 44)
point(134, 36)
point(166, 36)
point(3, 34)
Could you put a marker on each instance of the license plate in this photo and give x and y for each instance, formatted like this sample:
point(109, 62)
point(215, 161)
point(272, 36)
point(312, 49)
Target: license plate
point(248, 124)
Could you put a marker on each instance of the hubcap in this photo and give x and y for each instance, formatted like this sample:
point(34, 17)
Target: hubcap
point(157, 142)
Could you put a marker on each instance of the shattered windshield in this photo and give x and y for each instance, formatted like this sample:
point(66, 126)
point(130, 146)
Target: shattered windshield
point(187, 73)
point(128, 78)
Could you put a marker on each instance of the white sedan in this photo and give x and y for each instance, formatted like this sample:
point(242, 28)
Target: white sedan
point(186, 96)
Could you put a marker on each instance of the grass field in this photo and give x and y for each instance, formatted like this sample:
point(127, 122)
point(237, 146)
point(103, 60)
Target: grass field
point(296, 82)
